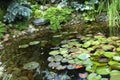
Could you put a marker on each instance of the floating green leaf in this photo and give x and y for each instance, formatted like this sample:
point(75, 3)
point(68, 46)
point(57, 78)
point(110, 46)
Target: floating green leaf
point(63, 50)
point(116, 58)
point(55, 52)
point(58, 58)
point(71, 61)
point(23, 46)
point(34, 42)
point(94, 76)
point(103, 70)
point(83, 56)
point(51, 59)
point(95, 42)
point(118, 49)
point(87, 44)
point(115, 75)
point(109, 54)
point(107, 47)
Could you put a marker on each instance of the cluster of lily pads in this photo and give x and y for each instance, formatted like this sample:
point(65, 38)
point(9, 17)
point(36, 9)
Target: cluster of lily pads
point(97, 54)
point(30, 43)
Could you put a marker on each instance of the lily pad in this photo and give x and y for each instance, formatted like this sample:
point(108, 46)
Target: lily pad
point(109, 54)
point(60, 67)
point(94, 76)
point(63, 50)
point(54, 52)
point(83, 56)
point(58, 58)
point(116, 58)
point(71, 67)
point(74, 49)
point(118, 49)
point(71, 61)
point(34, 43)
point(64, 60)
point(103, 70)
point(51, 59)
point(87, 44)
point(114, 38)
point(95, 42)
point(54, 64)
point(65, 55)
point(107, 47)
point(115, 75)
point(114, 65)
point(23, 46)
point(90, 68)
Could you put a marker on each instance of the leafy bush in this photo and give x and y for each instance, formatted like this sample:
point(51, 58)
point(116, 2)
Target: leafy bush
point(2, 29)
point(57, 16)
point(17, 10)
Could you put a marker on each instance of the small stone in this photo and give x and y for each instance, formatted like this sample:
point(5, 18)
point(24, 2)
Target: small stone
point(39, 22)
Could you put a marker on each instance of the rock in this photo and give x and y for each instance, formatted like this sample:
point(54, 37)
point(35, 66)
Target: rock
point(39, 22)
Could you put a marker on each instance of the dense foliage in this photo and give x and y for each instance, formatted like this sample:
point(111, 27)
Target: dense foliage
point(98, 54)
point(2, 29)
point(57, 16)
point(17, 10)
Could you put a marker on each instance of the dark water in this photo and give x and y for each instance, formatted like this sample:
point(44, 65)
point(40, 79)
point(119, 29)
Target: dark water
point(39, 53)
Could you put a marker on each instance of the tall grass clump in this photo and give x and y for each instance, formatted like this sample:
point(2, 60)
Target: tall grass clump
point(114, 17)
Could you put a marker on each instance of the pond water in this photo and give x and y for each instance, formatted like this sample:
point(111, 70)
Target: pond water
point(39, 53)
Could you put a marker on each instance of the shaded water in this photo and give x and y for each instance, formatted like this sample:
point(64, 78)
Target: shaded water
point(39, 53)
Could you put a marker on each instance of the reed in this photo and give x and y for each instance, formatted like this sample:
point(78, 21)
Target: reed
point(114, 17)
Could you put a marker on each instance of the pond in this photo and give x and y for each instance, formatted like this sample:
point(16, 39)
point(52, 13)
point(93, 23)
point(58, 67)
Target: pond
point(36, 52)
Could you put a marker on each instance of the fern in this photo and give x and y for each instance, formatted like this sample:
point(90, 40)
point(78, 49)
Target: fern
point(17, 10)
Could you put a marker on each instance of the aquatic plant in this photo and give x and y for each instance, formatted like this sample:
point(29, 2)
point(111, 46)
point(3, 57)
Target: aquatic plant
point(115, 75)
point(114, 17)
point(29, 44)
point(56, 16)
point(17, 10)
point(97, 53)
point(94, 76)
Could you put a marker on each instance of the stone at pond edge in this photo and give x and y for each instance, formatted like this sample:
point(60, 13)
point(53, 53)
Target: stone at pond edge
point(39, 22)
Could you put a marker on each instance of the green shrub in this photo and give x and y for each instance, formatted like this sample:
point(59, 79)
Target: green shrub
point(57, 16)
point(2, 29)
point(17, 10)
